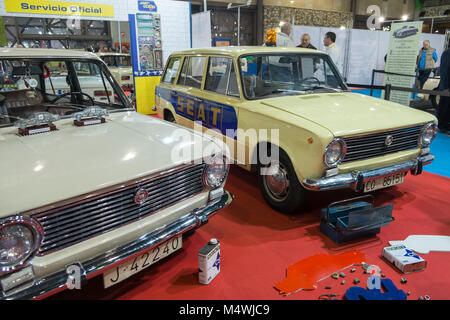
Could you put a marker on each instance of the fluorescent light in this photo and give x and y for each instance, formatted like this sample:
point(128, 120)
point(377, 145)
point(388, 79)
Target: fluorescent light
point(342, 28)
point(381, 19)
point(404, 17)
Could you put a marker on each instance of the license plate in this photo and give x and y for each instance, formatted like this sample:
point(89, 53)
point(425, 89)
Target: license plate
point(139, 263)
point(384, 182)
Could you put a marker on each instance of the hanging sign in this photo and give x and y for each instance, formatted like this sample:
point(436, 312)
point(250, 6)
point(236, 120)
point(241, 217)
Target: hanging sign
point(402, 58)
point(59, 8)
point(149, 6)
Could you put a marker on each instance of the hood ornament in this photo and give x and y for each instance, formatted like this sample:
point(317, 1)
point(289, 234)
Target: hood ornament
point(141, 196)
point(90, 116)
point(38, 122)
point(389, 140)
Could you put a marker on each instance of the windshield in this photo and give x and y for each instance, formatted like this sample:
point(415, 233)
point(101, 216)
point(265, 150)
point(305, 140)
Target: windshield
point(265, 76)
point(117, 61)
point(60, 87)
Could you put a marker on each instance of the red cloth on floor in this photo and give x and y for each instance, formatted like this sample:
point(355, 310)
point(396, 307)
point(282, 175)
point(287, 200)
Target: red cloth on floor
point(258, 244)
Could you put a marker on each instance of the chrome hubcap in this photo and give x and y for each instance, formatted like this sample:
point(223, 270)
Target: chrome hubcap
point(276, 181)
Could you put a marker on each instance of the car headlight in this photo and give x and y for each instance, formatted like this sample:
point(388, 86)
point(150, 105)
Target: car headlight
point(216, 171)
point(428, 134)
point(19, 240)
point(334, 152)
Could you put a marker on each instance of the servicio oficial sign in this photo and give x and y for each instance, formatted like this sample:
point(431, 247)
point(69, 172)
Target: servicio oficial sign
point(59, 8)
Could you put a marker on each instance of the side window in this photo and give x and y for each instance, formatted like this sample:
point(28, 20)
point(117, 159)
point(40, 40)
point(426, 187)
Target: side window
point(94, 83)
point(331, 79)
point(217, 76)
point(172, 70)
point(221, 77)
point(55, 77)
point(233, 87)
point(192, 72)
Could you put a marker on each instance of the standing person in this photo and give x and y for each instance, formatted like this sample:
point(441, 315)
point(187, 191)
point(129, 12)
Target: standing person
point(282, 71)
point(306, 42)
point(329, 41)
point(443, 112)
point(283, 39)
point(425, 61)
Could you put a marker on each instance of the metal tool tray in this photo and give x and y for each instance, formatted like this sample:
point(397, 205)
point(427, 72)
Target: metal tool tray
point(355, 219)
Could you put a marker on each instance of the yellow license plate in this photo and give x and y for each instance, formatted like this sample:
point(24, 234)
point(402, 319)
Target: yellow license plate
point(141, 262)
point(384, 182)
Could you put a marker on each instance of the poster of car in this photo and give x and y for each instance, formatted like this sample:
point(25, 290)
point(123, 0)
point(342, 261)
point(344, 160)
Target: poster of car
point(401, 58)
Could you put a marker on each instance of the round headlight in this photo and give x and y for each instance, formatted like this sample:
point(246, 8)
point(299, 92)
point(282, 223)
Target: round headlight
point(428, 134)
point(334, 152)
point(18, 241)
point(216, 171)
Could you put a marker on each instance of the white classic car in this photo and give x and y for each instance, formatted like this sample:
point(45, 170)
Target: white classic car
point(431, 84)
point(120, 66)
point(107, 198)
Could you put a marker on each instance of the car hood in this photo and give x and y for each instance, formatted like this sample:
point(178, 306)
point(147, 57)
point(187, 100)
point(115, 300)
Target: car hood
point(50, 167)
point(346, 114)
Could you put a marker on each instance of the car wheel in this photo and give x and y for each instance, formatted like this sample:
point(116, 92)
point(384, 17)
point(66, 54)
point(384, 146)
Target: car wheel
point(168, 116)
point(435, 99)
point(279, 185)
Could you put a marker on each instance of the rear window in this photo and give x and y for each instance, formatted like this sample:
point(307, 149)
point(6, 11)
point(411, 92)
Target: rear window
point(192, 72)
point(172, 70)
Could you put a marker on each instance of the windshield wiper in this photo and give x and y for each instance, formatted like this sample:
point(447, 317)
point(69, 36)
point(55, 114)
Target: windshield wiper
point(326, 88)
point(284, 91)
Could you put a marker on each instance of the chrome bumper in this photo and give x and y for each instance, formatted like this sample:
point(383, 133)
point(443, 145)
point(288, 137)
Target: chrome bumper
point(42, 288)
point(356, 179)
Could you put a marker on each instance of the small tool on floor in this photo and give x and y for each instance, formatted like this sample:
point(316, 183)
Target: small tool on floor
point(330, 296)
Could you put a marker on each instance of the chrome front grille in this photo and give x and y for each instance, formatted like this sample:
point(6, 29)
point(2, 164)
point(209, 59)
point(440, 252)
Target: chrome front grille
point(76, 222)
point(374, 145)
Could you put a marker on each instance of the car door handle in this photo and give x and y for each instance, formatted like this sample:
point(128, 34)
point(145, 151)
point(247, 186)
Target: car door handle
point(198, 100)
point(173, 92)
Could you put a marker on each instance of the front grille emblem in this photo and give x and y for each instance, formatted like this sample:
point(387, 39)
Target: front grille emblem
point(389, 140)
point(141, 196)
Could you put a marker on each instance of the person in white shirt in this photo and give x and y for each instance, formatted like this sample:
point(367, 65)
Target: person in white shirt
point(283, 39)
point(329, 41)
point(281, 71)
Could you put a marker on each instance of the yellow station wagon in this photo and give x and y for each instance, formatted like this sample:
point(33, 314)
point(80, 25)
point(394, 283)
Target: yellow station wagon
point(328, 138)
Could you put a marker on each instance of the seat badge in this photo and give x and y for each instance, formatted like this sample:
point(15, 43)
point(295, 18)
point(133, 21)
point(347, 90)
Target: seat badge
point(141, 196)
point(389, 140)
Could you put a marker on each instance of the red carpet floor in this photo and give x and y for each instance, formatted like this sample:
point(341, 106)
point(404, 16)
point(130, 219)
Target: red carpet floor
point(258, 244)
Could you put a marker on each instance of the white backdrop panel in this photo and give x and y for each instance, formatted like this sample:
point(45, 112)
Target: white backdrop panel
point(363, 56)
point(201, 30)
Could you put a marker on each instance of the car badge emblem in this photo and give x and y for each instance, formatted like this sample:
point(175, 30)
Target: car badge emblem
point(141, 196)
point(389, 140)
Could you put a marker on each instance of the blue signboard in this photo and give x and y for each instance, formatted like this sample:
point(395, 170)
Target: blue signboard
point(149, 6)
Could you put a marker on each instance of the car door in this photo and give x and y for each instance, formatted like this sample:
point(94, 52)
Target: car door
point(218, 108)
point(166, 90)
point(180, 94)
point(189, 89)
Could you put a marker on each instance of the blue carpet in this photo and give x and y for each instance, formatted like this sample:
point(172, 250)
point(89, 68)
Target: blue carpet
point(441, 150)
